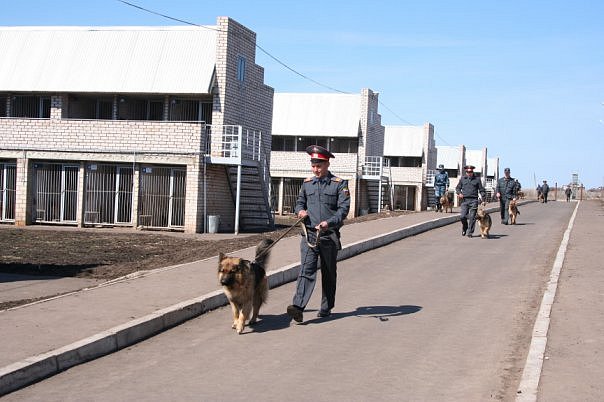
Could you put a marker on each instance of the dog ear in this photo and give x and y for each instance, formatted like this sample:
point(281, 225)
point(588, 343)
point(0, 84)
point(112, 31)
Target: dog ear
point(221, 256)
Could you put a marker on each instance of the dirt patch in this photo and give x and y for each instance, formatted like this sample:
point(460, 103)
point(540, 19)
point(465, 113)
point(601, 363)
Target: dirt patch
point(108, 254)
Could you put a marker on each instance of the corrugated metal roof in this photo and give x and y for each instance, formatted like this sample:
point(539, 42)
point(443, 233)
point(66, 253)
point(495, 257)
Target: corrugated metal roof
point(474, 157)
point(449, 156)
point(316, 114)
point(403, 141)
point(174, 60)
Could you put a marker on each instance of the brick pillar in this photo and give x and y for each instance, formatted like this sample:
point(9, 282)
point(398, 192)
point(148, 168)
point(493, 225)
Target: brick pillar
point(81, 195)
point(56, 107)
point(194, 205)
point(24, 191)
point(136, 178)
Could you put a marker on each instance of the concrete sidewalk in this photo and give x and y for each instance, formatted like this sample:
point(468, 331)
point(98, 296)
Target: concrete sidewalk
point(47, 337)
point(572, 366)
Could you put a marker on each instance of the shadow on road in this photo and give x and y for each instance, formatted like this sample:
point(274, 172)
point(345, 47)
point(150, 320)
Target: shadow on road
point(382, 313)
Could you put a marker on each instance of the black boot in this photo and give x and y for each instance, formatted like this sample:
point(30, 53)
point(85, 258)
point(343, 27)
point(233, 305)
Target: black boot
point(464, 226)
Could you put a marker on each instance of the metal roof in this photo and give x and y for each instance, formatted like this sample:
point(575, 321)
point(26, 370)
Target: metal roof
point(449, 156)
point(166, 60)
point(316, 114)
point(404, 140)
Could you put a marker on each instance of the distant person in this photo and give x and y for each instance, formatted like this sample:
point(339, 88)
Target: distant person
point(507, 190)
point(568, 193)
point(544, 190)
point(468, 190)
point(539, 192)
point(441, 185)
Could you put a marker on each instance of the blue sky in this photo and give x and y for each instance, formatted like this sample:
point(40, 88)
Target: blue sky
point(523, 78)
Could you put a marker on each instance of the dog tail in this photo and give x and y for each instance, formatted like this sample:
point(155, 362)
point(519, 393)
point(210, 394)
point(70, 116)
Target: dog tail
point(263, 251)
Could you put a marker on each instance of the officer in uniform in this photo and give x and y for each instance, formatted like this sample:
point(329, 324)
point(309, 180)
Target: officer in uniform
point(441, 185)
point(468, 190)
point(324, 201)
point(507, 189)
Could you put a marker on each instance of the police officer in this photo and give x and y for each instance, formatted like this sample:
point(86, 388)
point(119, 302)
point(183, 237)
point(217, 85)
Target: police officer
point(544, 190)
point(441, 185)
point(507, 189)
point(324, 201)
point(468, 190)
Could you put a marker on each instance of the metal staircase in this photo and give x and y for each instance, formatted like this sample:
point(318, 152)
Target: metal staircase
point(254, 209)
point(376, 172)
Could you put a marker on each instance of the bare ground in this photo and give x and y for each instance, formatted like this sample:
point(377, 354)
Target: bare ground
point(108, 254)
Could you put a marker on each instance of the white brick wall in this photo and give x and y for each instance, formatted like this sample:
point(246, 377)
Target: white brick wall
point(247, 103)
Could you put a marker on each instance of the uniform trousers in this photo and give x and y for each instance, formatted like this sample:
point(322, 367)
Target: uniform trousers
point(504, 209)
point(328, 251)
point(438, 192)
point(467, 213)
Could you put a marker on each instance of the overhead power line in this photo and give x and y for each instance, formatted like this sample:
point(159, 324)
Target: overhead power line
point(293, 70)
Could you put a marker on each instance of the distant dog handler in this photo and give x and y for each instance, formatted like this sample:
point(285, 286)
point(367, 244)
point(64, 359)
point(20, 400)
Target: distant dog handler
point(441, 185)
point(544, 190)
point(468, 189)
point(324, 200)
point(507, 189)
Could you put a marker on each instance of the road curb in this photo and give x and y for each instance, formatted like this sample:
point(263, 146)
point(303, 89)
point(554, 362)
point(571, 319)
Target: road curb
point(531, 374)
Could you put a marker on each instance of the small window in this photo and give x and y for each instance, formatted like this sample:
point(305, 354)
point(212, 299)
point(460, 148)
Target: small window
point(304, 142)
point(283, 143)
point(241, 69)
point(344, 145)
point(30, 106)
point(3, 104)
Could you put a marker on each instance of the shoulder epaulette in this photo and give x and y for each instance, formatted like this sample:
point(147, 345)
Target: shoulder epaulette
point(307, 179)
point(336, 179)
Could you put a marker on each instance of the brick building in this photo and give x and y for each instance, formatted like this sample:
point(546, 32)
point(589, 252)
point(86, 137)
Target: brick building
point(411, 153)
point(157, 127)
point(454, 158)
point(348, 125)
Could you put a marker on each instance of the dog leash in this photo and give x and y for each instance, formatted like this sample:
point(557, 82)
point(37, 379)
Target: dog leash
point(299, 221)
point(317, 240)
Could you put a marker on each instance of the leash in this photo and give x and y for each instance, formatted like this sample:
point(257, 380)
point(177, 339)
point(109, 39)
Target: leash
point(266, 250)
point(317, 240)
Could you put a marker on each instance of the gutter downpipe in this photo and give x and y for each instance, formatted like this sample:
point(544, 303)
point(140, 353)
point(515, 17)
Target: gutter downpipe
point(205, 179)
point(238, 198)
point(379, 208)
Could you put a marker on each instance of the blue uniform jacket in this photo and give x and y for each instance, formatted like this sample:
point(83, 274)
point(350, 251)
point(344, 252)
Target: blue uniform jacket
point(326, 199)
point(507, 188)
point(470, 187)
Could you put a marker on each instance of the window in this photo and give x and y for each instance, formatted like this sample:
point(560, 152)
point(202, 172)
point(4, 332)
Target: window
point(283, 143)
point(241, 69)
point(190, 110)
point(406, 161)
point(3, 104)
point(89, 107)
point(304, 142)
point(130, 108)
point(30, 106)
point(299, 144)
point(344, 145)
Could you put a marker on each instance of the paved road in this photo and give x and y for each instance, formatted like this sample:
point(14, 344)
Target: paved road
point(436, 316)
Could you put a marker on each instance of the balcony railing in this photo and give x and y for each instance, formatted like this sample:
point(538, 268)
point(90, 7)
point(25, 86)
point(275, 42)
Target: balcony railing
point(232, 144)
point(374, 166)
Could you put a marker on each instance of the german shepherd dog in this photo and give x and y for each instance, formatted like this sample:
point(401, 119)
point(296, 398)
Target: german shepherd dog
point(245, 284)
point(484, 220)
point(446, 203)
point(513, 211)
